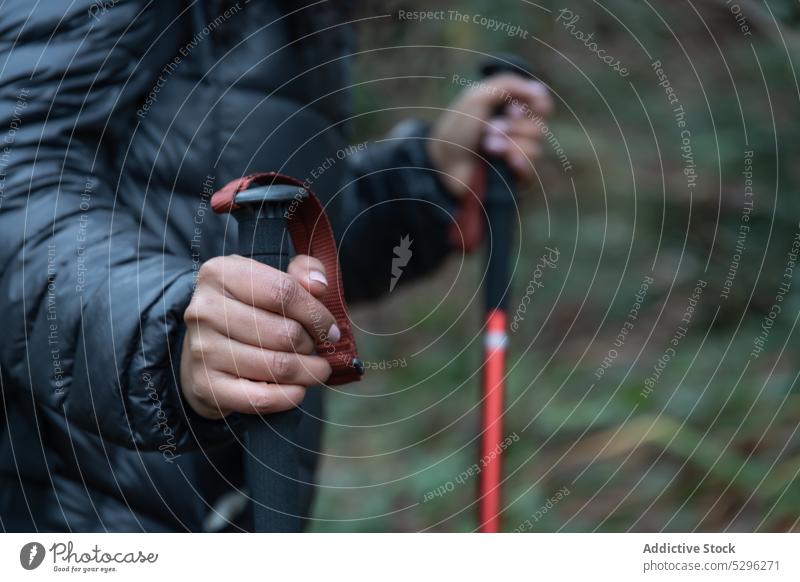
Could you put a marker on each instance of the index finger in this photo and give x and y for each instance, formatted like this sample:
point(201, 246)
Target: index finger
point(261, 286)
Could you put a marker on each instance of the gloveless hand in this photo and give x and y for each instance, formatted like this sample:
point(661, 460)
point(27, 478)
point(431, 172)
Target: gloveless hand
point(251, 331)
point(469, 125)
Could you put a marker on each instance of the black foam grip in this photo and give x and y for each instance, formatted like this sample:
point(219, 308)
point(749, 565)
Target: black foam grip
point(500, 210)
point(271, 455)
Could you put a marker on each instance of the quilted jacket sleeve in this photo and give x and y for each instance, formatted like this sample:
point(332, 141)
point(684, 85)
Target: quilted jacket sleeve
point(396, 199)
point(91, 303)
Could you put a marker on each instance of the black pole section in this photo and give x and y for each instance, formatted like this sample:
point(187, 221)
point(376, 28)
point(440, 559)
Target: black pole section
point(499, 204)
point(272, 456)
point(499, 199)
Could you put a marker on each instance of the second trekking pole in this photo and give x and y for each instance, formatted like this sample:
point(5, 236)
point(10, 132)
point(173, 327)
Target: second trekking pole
point(500, 205)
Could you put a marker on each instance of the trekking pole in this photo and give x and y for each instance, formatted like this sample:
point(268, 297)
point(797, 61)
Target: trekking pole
point(267, 207)
point(500, 205)
point(271, 456)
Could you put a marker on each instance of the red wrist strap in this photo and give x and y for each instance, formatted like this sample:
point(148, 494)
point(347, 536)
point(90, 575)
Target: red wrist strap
point(312, 235)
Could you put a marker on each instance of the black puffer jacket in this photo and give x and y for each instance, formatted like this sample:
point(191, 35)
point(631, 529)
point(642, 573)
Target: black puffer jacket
point(118, 119)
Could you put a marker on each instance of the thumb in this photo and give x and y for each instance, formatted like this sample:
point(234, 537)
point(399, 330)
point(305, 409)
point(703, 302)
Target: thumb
point(310, 273)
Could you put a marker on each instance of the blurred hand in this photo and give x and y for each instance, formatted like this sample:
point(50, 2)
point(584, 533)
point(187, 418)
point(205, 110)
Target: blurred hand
point(469, 124)
point(251, 332)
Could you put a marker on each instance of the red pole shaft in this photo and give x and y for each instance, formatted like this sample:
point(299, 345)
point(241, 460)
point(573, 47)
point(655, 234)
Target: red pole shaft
point(494, 371)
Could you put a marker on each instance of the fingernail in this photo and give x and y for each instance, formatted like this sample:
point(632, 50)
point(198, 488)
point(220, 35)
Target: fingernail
point(334, 335)
point(495, 143)
point(499, 126)
point(537, 88)
point(318, 277)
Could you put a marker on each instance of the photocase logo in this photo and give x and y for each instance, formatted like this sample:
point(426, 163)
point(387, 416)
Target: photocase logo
point(31, 555)
point(402, 254)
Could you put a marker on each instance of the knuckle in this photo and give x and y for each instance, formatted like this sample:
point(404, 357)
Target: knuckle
point(200, 308)
point(320, 319)
point(294, 334)
point(282, 364)
point(284, 290)
point(210, 270)
point(191, 313)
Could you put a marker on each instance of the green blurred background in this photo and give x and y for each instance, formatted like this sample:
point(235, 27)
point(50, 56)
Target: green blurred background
point(714, 446)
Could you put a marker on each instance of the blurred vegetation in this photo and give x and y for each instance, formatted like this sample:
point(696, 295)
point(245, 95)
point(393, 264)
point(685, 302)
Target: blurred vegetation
point(714, 446)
